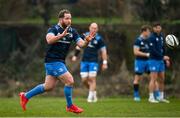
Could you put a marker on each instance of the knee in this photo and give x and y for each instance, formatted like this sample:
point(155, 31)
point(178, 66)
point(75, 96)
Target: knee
point(48, 87)
point(84, 80)
point(153, 80)
point(70, 81)
point(161, 80)
point(136, 81)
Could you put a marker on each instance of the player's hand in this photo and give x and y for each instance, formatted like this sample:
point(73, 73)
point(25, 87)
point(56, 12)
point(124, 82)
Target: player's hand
point(104, 67)
point(65, 32)
point(74, 58)
point(166, 58)
point(168, 64)
point(90, 36)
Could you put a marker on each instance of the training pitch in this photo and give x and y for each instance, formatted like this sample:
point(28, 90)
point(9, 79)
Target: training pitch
point(105, 107)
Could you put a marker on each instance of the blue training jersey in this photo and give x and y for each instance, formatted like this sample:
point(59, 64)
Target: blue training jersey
point(157, 48)
point(91, 51)
point(143, 45)
point(58, 51)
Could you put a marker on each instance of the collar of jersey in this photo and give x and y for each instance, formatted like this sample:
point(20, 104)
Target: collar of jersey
point(59, 24)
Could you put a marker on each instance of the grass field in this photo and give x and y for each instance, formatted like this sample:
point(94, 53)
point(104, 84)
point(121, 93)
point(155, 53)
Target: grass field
point(106, 107)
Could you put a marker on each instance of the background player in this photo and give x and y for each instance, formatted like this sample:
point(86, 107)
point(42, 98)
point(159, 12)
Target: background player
point(59, 39)
point(89, 63)
point(157, 63)
point(141, 52)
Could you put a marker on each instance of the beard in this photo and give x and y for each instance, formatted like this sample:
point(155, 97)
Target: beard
point(64, 25)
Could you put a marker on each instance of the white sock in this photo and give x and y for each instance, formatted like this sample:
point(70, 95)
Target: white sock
point(90, 96)
point(151, 96)
point(161, 95)
point(94, 93)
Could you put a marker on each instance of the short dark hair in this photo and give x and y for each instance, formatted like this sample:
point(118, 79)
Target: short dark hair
point(155, 24)
point(145, 27)
point(62, 12)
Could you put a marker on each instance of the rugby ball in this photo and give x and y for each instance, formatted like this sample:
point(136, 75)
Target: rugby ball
point(171, 41)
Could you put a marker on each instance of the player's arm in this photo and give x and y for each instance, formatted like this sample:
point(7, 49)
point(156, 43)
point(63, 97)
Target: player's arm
point(166, 58)
point(137, 52)
point(76, 53)
point(104, 58)
point(83, 43)
point(52, 38)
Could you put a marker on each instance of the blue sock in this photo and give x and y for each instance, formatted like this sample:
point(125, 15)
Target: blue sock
point(136, 94)
point(35, 91)
point(136, 90)
point(156, 94)
point(68, 95)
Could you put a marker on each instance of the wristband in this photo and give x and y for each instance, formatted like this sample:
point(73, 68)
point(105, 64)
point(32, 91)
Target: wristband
point(147, 54)
point(104, 61)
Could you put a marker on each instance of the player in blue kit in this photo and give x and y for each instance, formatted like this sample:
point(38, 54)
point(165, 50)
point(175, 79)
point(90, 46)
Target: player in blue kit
point(59, 39)
point(89, 64)
point(141, 52)
point(157, 61)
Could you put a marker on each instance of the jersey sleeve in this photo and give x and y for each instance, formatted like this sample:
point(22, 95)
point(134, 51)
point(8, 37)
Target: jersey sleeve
point(52, 31)
point(76, 36)
point(101, 43)
point(137, 43)
point(83, 36)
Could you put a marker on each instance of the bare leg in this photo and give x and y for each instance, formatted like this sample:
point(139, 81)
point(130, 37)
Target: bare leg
point(92, 90)
point(153, 79)
point(50, 83)
point(85, 82)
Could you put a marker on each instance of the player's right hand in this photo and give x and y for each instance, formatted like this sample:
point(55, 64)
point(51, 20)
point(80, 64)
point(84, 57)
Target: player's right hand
point(90, 36)
point(104, 67)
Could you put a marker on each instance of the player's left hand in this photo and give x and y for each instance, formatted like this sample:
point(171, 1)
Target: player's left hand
point(104, 67)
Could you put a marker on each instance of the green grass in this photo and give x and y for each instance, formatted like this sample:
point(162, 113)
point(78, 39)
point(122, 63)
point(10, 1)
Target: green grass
point(106, 107)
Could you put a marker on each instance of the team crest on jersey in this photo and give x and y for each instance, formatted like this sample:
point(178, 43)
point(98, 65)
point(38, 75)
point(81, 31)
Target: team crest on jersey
point(90, 45)
point(142, 43)
point(95, 42)
point(146, 46)
point(157, 39)
point(63, 38)
point(69, 35)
